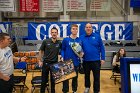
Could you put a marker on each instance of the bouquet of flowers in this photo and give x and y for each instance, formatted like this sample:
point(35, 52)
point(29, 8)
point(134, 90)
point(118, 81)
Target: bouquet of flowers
point(76, 47)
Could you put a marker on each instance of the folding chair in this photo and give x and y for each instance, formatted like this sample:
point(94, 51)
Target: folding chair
point(20, 76)
point(115, 73)
point(36, 79)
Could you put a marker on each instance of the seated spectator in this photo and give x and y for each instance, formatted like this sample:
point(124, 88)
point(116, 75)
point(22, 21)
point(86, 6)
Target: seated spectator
point(116, 60)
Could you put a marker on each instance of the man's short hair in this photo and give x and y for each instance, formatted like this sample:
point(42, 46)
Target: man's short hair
point(74, 25)
point(54, 28)
point(2, 35)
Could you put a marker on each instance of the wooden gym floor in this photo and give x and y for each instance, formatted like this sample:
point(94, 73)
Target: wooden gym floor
point(107, 84)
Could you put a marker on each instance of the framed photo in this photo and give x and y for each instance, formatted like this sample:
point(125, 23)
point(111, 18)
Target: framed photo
point(62, 71)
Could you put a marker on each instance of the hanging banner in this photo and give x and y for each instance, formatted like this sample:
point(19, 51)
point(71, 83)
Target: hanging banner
point(100, 5)
point(7, 5)
point(75, 5)
point(5, 27)
point(107, 30)
point(29, 5)
point(52, 6)
point(135, 3)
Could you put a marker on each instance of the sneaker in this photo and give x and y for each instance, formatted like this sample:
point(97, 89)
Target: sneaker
point(86, 90)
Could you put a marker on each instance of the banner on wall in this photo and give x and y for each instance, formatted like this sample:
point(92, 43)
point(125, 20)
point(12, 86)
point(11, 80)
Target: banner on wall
point(7, 5)
point(52, 6)
point(135, 3)
point(107, 30)
point(100, 5)
point(75, 5)
point(29, 5)
point(5, 27)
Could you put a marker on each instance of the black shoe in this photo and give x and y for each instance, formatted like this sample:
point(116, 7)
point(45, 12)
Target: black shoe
point(120, 89)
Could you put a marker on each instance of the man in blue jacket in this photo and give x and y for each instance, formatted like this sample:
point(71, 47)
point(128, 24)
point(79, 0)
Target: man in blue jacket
point(94, 56)
point(67, 53)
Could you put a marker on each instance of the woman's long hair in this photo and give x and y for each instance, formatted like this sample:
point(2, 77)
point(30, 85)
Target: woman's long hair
point(119, 55)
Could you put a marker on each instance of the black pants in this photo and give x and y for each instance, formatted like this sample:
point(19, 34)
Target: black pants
point(6, 86)
point(95, 67)
point(45, 78)
point(74, 83)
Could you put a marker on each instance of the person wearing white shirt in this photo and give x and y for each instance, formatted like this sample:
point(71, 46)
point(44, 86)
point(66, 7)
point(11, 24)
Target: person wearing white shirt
point(6, 64)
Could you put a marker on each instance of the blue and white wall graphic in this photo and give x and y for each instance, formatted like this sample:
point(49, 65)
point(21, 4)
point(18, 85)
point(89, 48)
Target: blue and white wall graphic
point(5, 27)
point(107, 30)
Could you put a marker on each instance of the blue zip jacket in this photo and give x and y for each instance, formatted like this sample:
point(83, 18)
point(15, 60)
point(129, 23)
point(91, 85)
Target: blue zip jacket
point(67, 52)
point(93, 47)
